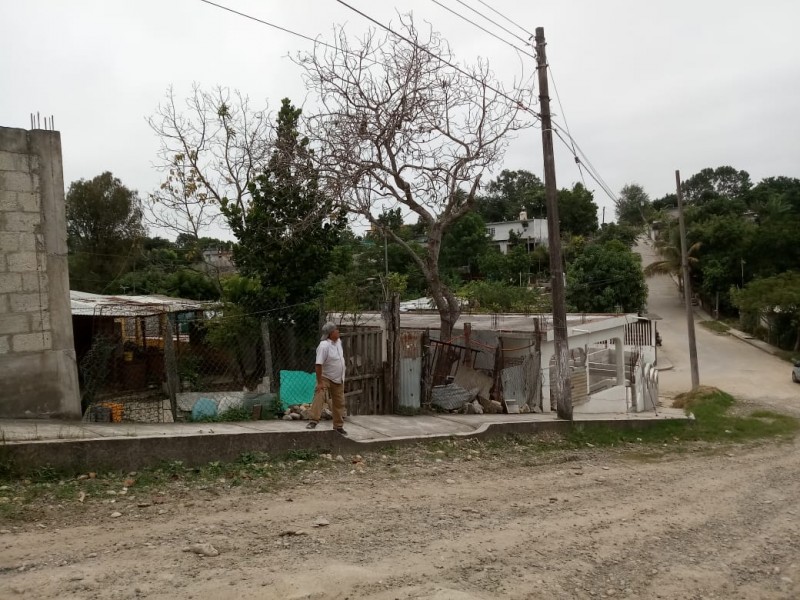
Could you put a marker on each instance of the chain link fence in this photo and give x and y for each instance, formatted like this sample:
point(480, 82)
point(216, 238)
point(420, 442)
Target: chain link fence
point(150, 359)
point(156, 359)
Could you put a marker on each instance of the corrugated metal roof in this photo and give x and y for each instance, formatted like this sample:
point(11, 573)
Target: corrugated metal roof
point(86, 304)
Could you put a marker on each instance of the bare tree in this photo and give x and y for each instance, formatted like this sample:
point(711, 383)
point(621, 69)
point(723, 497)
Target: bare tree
point(399, 126)
point(211, 150)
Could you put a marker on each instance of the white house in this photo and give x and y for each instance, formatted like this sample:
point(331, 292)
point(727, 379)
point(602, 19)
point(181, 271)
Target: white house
point(533, 232)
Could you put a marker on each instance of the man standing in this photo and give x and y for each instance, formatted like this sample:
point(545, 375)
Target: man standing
point(330, 378)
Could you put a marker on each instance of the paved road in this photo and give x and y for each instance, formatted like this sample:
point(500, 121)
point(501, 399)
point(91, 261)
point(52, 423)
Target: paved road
point(725, 362)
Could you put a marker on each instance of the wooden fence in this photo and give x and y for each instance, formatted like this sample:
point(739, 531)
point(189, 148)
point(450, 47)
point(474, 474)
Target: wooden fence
point(364, 384)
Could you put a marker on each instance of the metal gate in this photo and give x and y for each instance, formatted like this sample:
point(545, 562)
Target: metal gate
point(410, 397)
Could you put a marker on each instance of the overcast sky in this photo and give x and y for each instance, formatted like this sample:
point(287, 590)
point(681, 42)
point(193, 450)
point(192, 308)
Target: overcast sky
point(646, 87)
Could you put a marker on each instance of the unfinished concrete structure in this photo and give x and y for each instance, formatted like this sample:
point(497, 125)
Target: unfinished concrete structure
point(38, 373)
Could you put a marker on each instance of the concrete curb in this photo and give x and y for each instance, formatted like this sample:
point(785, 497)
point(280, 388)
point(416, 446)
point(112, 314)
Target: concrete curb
point(755, 342)
point(194, 450)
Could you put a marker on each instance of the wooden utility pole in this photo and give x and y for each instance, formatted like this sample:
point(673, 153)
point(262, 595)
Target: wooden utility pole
point(687, 288)
point(561, 386)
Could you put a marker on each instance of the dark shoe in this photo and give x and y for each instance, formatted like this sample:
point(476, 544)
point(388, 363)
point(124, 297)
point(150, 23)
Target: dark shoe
point(311, 425)
point(340, 431)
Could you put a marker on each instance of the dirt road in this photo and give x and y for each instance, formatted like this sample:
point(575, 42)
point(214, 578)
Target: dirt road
point(449, 524)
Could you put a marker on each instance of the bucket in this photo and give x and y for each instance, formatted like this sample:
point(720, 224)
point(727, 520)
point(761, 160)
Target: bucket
point(99, 414)
point(116, 410)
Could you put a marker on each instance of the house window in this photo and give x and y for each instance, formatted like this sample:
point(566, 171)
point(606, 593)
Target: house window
point(490, 231)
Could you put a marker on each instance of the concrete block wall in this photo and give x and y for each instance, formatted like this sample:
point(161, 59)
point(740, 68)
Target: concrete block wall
point(38, 371)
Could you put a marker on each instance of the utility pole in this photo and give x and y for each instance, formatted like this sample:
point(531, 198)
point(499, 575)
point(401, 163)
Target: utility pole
point(562, 386)
point(687, 288)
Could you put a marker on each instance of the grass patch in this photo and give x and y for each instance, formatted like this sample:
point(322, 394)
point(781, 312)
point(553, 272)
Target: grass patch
point(715, 326)
point(29, 496)
point(713, 423)
point(787, 355)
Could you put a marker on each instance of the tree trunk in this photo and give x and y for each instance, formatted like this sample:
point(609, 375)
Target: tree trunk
point(449, 311)
point(447, 306)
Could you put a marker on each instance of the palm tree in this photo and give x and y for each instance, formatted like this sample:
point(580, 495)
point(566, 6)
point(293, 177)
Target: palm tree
point(670, 263)
point(773, 209)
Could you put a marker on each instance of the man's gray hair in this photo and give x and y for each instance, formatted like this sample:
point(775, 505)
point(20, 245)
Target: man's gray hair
point(327, 329)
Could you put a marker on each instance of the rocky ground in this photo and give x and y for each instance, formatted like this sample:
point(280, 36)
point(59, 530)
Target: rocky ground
point(448, 521)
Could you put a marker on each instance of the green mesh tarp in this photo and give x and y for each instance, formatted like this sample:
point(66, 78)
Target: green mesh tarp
point(297, 387)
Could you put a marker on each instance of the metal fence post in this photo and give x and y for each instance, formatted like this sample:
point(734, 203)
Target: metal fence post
point(267, 353)
point(171, 369)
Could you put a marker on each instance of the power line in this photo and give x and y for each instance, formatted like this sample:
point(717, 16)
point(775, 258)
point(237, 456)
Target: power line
point(460, 16)
point(500, 93)
point(267, 23)
point(572, 145)
point(566, 124)
point(514, 23)
point(590, 170)
point(586, 163)
point(493, 22)
point(593, 173)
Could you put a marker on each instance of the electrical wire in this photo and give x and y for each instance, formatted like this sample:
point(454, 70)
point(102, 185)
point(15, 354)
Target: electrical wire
point(493, 22)
point(268, 24)
point(587, 164)
point(494, 35)
point(582, 161)
point(382, 26)
point(437, 57)
point(566, 124)
point(572, 145)
point(514, 23)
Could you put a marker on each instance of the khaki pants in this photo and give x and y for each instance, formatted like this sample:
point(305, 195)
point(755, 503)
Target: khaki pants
point(334, 391)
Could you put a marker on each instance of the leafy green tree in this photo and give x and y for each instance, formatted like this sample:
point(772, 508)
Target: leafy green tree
point(288, 233)
point(665, 202)
point(606, 278)
point(494, 296)
point(773, 297)
point(370, 255)
point(463, 245)
point(633, 206)
point(509, 194)
point(234, 331)
point(670, 263)
point(512, 268)
point(191, 248)
point(626, 234)
point(722, 248)
point(784, 189)
point(159, 266)
point(577, 211)
point(104, 227)
point(708, 184)
point(774, 245)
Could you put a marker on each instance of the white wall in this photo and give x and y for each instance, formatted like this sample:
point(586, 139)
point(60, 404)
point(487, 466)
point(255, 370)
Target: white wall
point(536, 232)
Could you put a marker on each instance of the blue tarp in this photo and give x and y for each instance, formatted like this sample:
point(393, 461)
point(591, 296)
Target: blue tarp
point(297, 387)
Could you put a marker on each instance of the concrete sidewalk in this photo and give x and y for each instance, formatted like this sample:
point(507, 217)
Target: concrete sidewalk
point(80, 446)
point(359, 428)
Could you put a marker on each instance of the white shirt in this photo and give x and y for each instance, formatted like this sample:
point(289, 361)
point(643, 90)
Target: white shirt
point(331, 356)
